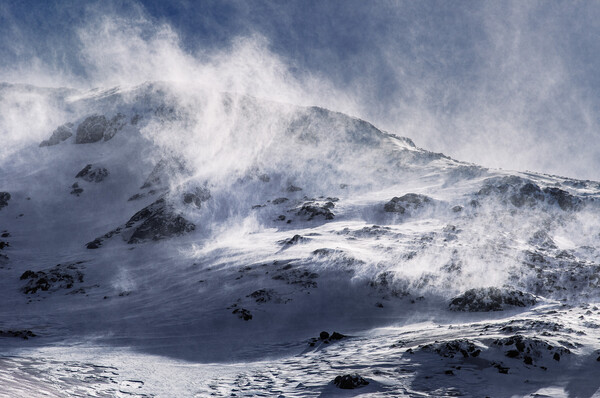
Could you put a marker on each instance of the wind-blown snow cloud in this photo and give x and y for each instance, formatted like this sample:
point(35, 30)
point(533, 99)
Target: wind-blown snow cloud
point(507, 84)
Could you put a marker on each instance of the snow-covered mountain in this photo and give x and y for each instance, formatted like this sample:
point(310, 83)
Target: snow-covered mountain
point(167, 240)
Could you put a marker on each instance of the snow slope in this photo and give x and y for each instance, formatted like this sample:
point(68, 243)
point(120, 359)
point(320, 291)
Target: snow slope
point(172, 241)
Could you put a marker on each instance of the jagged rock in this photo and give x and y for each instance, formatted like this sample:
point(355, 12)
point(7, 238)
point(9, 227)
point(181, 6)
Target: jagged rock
point(314, 209)
point(115, 125)
point(293, 188)
point(196, 197)
point(490, 299)
point(293, 240)
point(350, 382)
point(92, 175)
point(565, 200)
point(91, 129)
point(61, 276)
point(242, 313)
point(451, 348)
point(24, 334)
point(263, 295)
point(157, 221)
point(542, 239)
point(279, 201)
point(523, 192)
point(410, 201)
point(4, 198)
point(59, 135)
point(529, 349)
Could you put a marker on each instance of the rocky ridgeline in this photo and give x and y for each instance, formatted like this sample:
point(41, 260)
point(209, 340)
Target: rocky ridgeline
point(521, 192)
point(92, 129)
point(491, 299)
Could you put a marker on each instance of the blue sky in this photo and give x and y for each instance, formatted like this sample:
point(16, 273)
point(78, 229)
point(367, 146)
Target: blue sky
point(503, 84)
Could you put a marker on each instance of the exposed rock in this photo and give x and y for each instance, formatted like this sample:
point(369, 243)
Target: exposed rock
point(294, 275)
point(410, 201)
point(163, 171)
point(490, 299)
point(263, 295)
point(59, 135)
point(279, 201)
point(24, 334)
point(92, 174)
point(523, 192)
point(293, 188)
point(196, 196)
point(314, 209)
point(156, 221)
point(91, 129)
point(350, 382)
point(529, 349)
point(451, 348)
point(115, 125)
point(4, 198)
point(61, 276)
point(293, 240)
point(242, 313)
point(76, 189)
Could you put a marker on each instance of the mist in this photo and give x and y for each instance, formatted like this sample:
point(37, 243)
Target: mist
point(505, 85)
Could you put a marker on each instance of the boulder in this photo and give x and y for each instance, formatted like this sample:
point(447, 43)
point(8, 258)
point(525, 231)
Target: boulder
point(92, 174)
point(91, 129)
point(350, 382)
point(410, 201)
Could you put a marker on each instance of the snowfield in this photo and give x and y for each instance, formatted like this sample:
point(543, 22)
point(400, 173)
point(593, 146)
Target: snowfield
point(164, 240)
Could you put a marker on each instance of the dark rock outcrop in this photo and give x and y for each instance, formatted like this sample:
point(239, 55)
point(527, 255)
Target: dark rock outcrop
point(76, 189)
point(91, 129)
point(490, 299)
point(90, 174)
point(59, 135)
point(156, 221)
point(4, 198)
point(410, 201)
point(521, 192)
point(452, 348)
point(529, 349)
point(115, 125)
point(349, 382)
point(316, 209)
point(24, 334)
point(61, 276)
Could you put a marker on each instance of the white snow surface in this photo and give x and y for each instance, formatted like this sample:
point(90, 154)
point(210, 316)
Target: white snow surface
point(165, 317)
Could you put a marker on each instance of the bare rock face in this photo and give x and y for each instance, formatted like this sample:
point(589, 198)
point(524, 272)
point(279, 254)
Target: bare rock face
point(91, 129)
point(61, 276)
point(410, 201)
point(115, 125)
point(156, 221)
point(490, 299)
point(59, 135)
point(163, 171)
point(521, 192)
point(350, 382)
point(92, 174)
point(4, 198)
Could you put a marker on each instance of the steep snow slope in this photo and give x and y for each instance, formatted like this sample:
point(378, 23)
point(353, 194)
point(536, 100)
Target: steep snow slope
point(167, 240)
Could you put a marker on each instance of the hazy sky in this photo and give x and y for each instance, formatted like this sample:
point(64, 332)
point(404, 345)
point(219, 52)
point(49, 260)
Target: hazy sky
point(503, 84)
